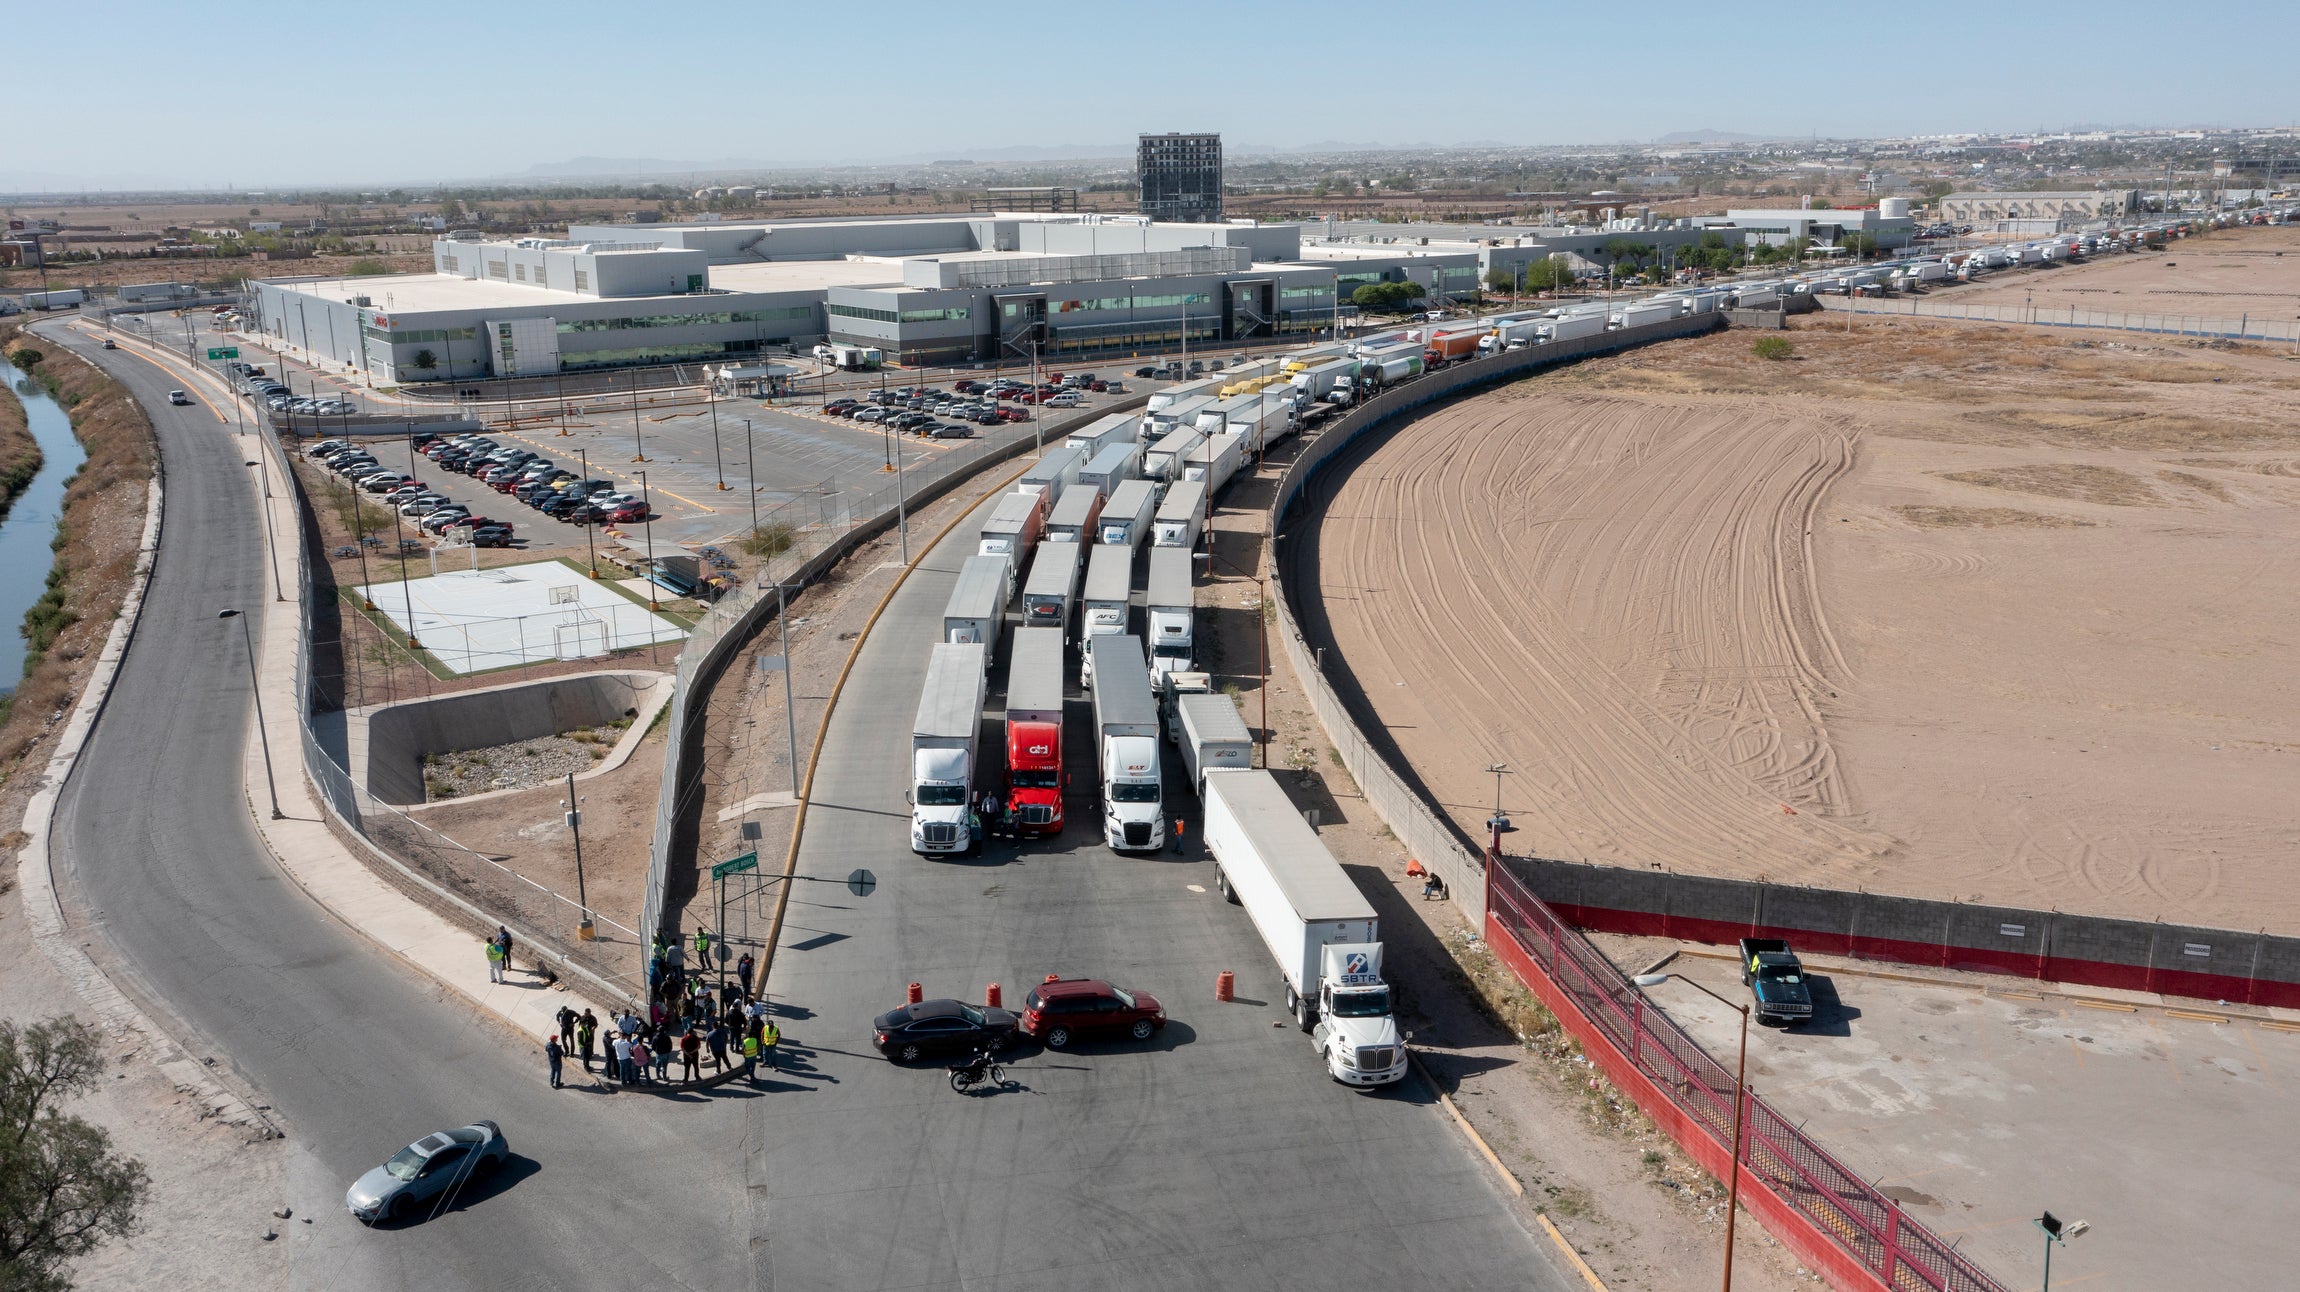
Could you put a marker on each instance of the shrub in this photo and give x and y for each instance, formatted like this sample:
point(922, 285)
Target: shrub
point(1772, 347)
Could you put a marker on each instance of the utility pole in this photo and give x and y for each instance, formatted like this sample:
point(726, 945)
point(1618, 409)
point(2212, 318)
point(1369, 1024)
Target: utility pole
point(717, 454)
point(790, 712)
point(638, 437)
point(590, 553)
point(573, 807)
point(648, 525)
point(255, 692)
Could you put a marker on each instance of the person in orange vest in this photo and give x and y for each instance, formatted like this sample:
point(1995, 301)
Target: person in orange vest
point(1174, 841)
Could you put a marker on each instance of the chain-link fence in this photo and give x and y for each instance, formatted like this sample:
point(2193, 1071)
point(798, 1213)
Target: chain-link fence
point(2244, 327)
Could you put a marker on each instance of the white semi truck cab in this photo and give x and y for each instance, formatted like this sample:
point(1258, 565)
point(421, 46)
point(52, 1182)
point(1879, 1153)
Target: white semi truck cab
point(943, 749)
point(1126, 746)
point(1355, 1033)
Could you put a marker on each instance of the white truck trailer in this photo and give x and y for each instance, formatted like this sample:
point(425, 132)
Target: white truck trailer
point(977, 607)
point(943, 751)
point(1076, 512)
point(1013, 528)
point(1178, 413)
point(1107, 608)
point(1171, 606)
point(1127, 515)
point(1052, 585)
point(1198, 388)
point(1215, 462)
point(1211, 735)
point(1098, 435)
point(1640, 313)
point(1572, 326)
point(1056, 470)
point(1116, 464)
point(1318, 926)
point(1323, 383)
point(1126, 747)
point(1162, 461)
point(1181, 519)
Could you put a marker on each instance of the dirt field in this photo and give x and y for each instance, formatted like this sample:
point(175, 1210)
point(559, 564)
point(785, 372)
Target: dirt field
point(1937, 609)
point(2229, 274)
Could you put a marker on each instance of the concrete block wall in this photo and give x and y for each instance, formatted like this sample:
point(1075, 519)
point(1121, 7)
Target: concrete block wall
point(389, 742)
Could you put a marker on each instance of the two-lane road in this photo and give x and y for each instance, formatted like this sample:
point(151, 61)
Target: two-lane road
point(357, 1053)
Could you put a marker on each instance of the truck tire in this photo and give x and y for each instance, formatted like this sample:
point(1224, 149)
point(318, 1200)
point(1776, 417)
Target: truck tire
point(1306, 1015)
point(1293, 1001)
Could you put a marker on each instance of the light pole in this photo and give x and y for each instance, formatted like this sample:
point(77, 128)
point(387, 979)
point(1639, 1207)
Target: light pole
point(718, 455)
point(638, 436)
point(790, 713)
point(271, 544)
point(2057, 1234)
point(751, 457)
point(1499, 821)
point(590, 552)
point(1740, 1097)
point(573, 807)
point(255, 692)
point(648, 525)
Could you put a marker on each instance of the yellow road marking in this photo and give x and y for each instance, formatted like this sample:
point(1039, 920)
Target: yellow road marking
point(2279, 1025)
point(1588, 1275)
point(2192, 1014)
point(2113, 1005)
point(692, 503)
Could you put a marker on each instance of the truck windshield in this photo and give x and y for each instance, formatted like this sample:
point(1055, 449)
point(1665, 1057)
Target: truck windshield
point(1036, 780)
point(1170, 650)
point(1777, 973)
point(941, 795)
point(1362, 1004)
point(1124, 792)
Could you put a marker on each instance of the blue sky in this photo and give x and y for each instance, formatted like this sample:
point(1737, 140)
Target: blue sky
point(332, 92)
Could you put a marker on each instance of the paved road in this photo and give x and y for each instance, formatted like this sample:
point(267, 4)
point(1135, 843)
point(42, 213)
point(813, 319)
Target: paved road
point(1219, 1155)
point(357, 1054)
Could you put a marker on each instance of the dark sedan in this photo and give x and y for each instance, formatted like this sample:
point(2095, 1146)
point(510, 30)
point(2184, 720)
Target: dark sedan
point(934, 1027)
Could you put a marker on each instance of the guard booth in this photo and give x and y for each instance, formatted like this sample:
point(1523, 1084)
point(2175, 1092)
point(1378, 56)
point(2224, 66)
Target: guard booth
point(757, 380)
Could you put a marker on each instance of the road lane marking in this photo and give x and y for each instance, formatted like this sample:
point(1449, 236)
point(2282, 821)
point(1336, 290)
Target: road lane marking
point(1588, 1275)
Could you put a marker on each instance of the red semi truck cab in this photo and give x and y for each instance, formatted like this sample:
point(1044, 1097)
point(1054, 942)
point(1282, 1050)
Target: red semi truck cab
point(1034, 777)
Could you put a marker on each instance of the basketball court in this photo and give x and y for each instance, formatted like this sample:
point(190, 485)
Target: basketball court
point(476, 620)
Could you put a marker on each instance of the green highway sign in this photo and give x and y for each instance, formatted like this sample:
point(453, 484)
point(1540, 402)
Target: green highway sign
point(224, 352)
point(735, 865)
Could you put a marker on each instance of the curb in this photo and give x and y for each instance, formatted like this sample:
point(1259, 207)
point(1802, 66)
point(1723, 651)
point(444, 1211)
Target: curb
point(35, 875)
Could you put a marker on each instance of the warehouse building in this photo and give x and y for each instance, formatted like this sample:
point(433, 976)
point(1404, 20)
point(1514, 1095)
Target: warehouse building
point(933, 289)
point(1984, 209)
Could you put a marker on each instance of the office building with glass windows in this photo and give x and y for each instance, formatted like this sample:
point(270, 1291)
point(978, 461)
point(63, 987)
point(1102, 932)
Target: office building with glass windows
point(1180, 177)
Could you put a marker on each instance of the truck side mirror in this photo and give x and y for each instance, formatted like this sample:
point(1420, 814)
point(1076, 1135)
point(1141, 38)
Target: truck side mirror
point(907, 799)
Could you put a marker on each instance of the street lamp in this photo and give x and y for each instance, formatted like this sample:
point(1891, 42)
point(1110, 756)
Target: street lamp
point(271, 545)
point(1740, 1097)
point(1499, 821)
point(590, 551)
point(2056, 1234)
point(256, 693)
point(572, 806)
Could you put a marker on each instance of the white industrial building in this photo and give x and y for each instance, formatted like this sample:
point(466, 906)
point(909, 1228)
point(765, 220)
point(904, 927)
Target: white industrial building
point(2064, 209)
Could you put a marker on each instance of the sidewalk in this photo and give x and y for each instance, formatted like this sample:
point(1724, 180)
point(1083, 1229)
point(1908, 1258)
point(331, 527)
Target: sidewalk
point(321, 863)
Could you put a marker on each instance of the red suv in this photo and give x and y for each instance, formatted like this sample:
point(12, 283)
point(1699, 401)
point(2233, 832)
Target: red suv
point(1056, 1011)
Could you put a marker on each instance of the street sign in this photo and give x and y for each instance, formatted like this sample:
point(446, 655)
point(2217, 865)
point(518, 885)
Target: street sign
point(861, 882)
point(735, 865)
point(224, 352)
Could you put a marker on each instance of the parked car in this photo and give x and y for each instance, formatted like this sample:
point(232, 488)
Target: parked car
point(491, 536)
point(913, 1032)
point(325, 447)
point(433, 1167)
point(383, 482)
point(628, 513)
point(1065, 1009)
point(949, 431)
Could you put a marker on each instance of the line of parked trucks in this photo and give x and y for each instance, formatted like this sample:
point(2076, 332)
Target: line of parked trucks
point(1122, 497)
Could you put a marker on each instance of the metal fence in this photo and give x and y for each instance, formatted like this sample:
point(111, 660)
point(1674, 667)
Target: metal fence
point(1845, 1216)
point(2242, 328)
point(1865, 1224)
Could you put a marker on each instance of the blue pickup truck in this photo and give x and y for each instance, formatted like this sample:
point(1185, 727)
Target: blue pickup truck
point(1773, 975)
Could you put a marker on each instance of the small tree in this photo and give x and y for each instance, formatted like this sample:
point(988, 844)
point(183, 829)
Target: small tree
point(1772, 347)
point(62, 1189)
point(26, 358)
point(425, 361)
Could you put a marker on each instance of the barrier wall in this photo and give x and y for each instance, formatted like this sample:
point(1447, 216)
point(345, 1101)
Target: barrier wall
point(2224, 965)
point(387, 758)
point(1426, 835)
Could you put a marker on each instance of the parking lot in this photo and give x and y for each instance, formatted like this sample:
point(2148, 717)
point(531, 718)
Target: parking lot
point(1981, 1104)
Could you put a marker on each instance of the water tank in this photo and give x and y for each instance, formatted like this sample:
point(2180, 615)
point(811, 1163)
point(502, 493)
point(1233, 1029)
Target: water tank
point(1893, 208)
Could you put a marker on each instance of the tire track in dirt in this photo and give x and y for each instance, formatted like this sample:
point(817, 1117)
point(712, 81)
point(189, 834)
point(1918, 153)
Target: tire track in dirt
point(1617, 599)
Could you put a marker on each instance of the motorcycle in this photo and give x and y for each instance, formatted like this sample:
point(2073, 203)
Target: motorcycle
point(977, 1068)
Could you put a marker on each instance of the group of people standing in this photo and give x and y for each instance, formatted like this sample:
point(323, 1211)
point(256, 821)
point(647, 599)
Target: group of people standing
point(685, 1020)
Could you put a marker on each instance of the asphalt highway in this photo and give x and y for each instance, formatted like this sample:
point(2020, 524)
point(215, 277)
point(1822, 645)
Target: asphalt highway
point(1218, 1155)
point(357, 1054)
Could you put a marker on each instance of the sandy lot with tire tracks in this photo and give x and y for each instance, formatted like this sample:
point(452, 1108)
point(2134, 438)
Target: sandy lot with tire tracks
point(1936, 609)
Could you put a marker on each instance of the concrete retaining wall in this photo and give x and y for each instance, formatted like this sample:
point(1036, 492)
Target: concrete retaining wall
point(2227, 965)
point(388, 742)
point(1427, 835)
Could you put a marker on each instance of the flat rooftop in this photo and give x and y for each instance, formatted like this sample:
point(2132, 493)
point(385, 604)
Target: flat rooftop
point(418, 292)
point(805, 275)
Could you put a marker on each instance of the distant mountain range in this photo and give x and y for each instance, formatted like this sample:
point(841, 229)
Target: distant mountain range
point(1715, 137)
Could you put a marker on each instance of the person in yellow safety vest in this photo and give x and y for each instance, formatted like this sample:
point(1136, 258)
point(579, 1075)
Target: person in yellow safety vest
point(768, 1035)
point(751, 1059)
point(702, 948)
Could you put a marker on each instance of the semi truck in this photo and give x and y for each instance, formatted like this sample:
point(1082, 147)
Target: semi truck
point(1056, 470)
point(1117, 463)
point(1331, 381)
point(1075, 514)
point(1053, 582)
point(977, 607)
point(1160, 400)
point(1640, 313)
point(1170, 689)
point(1451, 345)
point(1776, 979)
point(1181, 412)
point(1126, 517)
point(1215, 462)
point(61, 298)
point(1126, 747)
point(1171, 603)
point(1512, 332)
point(1013, 528)
point(1317, 925)
point(856, 358)
point(1389, 365)
point(1572, 326)
point(1162, 461)
point(1107, 607)
point(1182, 517)
point(942, 750)
point(1206, 727)
point(1091, 439)
point(1313, 356)
point(1034, 732)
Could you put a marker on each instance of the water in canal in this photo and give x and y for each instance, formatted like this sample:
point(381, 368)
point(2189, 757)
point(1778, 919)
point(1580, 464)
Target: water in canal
point(24, 555)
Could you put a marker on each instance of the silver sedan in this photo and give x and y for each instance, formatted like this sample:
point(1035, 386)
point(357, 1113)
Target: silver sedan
point(429, 1171)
